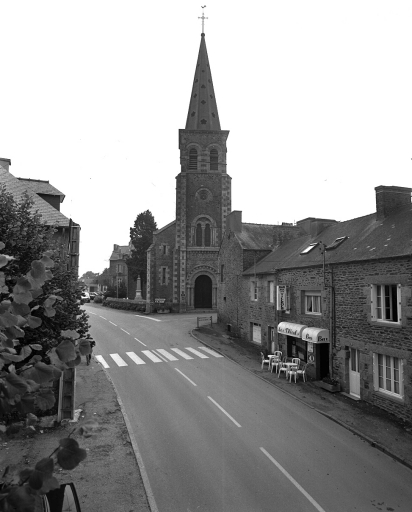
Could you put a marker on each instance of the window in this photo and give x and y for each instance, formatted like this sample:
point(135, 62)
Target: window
point(164, 249)
point(222, 276)
point(214, 160)
point(388, 375)
point(386, 303)
point(199, 235)
point(271, 291)
point(336, 243)
point(253, 290)
point(312, 302)
point(207, 235)
point(309, 248)
point(163, 275)
point(193, 159)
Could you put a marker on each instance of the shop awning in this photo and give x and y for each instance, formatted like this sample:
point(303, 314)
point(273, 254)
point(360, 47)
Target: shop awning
point(291, 329)
point(315, 335)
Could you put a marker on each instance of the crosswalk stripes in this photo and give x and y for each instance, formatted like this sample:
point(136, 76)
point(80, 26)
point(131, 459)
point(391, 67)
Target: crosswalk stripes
point(158, 355)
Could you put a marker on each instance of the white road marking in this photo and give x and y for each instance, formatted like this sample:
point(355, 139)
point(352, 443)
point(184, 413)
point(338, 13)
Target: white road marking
point(135, 358)
point(210, 351)
point(167, 355)
point(151, 356)
point(294, 482)
point(224, 412)
point(196, 352)
point(181, 353)
point(112, 323)
point(103, 317)
point(125, 331)
point(91, 313)
point(181, 373)
point(144, 344)
point(160, 355)
point(148, 318)
point(118, 360)
point(102, 361)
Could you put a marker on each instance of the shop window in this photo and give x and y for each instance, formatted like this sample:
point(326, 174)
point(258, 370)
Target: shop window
point(386, 303)
point(193, 159)
point(214, 156)
point(312, 300)
point(297, 348)
point(254, 290)
point(388, 375)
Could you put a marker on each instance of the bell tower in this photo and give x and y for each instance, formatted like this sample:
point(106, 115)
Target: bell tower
point(203, 195)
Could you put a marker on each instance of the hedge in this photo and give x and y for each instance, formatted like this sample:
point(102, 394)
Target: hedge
point(127, 304)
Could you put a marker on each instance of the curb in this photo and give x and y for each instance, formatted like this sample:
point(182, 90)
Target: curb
point(139, 460)
point(374, 444)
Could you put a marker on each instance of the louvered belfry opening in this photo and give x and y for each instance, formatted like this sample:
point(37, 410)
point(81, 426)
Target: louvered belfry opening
point(193, 159)
point(214, 160)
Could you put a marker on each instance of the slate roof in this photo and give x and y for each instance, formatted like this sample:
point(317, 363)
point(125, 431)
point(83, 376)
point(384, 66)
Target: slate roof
point(120, 252)
point(164, 227)
point(17, 187)
point(202, 114)
point(368, 239)
point(256, 236)
point(42, 187)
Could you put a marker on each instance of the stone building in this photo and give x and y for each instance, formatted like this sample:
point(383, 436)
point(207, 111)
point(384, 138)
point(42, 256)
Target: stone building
point(182, 260)
point(46, 201)
point(339, 297)
point(118, 274)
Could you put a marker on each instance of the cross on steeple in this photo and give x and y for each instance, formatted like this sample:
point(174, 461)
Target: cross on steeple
point(203, 19)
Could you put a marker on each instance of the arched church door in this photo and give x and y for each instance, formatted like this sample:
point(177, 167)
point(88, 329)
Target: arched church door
point(203, 292)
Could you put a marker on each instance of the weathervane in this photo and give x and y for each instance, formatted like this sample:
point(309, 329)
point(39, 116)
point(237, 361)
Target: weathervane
point(203, 19)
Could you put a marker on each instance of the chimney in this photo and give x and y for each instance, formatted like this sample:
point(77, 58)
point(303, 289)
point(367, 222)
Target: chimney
point(234, 222)
point(391, 199)
point(5, 163)
point(285, 232)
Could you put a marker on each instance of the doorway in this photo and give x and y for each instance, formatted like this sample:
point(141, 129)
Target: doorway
point(354, 374)
point(203, 292)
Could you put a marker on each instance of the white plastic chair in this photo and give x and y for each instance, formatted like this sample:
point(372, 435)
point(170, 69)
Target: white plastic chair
point(302, 371)
point(283, 368)
point(265, 360)
point(293, 370)
point(276, 360)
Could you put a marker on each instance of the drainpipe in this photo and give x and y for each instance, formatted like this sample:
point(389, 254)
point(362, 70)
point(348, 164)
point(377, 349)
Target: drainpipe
point(275, 284)
point(331, 321)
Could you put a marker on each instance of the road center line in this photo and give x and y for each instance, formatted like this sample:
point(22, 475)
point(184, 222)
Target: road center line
point(224, 412)
point(112, 323)
point(125, 331)
point(141, 342)
point(294, 482)
point(103, 317)
point(181, 373)
point(148, 318)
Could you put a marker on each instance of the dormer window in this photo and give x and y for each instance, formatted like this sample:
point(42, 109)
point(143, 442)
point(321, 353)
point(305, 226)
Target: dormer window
point(214, 158)
point(309, 248)
point(336, 243)
point(193, 159)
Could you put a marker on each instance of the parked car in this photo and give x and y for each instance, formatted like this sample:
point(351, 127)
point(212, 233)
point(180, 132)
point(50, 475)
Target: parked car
point(92, 295)
point(85, 297)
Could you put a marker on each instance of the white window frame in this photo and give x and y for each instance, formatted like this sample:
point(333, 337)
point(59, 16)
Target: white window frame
point(254, 295)
point(387, 371)
point(381, 302)
point(316, 298)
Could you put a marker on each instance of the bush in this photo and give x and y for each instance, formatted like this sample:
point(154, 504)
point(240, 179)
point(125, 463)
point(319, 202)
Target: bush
point(98, 299)
point(125, 304)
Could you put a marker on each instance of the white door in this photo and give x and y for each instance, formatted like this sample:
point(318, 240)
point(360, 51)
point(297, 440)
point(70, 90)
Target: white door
point(257, 333)
point(354, 374)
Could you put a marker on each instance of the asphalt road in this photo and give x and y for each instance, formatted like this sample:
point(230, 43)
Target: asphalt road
point(213, 437)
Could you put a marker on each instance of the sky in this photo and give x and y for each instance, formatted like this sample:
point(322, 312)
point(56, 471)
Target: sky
point(317, 96)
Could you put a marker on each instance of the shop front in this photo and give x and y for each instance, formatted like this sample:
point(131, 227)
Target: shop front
point(309, 344)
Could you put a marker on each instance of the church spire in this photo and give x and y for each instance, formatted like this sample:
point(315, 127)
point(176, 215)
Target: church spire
point(203, 113)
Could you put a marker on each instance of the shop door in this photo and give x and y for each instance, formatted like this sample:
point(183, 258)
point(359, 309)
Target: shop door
point(354, 374)
point(203, 292)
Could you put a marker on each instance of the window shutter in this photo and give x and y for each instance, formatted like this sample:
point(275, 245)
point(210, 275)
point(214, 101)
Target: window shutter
point(375, 372)
point(399, 297)
point(373, 302)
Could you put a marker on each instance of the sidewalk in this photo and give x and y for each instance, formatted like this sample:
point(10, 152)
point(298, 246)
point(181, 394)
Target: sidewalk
point(374, 425)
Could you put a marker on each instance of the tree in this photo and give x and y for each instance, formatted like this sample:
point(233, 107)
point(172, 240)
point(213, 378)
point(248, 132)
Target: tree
point(141, 236)
point(89, 275)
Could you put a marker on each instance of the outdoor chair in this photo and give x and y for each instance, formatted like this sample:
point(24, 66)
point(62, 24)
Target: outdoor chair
point(276, 360)
point(265, 360)
point(302, 371)
point(284, 368)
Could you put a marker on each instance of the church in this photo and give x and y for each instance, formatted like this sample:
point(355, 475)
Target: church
point(182, 262)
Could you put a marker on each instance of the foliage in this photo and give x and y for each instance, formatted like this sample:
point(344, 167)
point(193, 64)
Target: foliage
point(98, 299)
point(128, 305)
point(89, 275)
point(21, 489)
point(141, 236)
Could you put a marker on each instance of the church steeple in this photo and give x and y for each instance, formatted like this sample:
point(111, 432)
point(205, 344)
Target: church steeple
point(203, 114)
